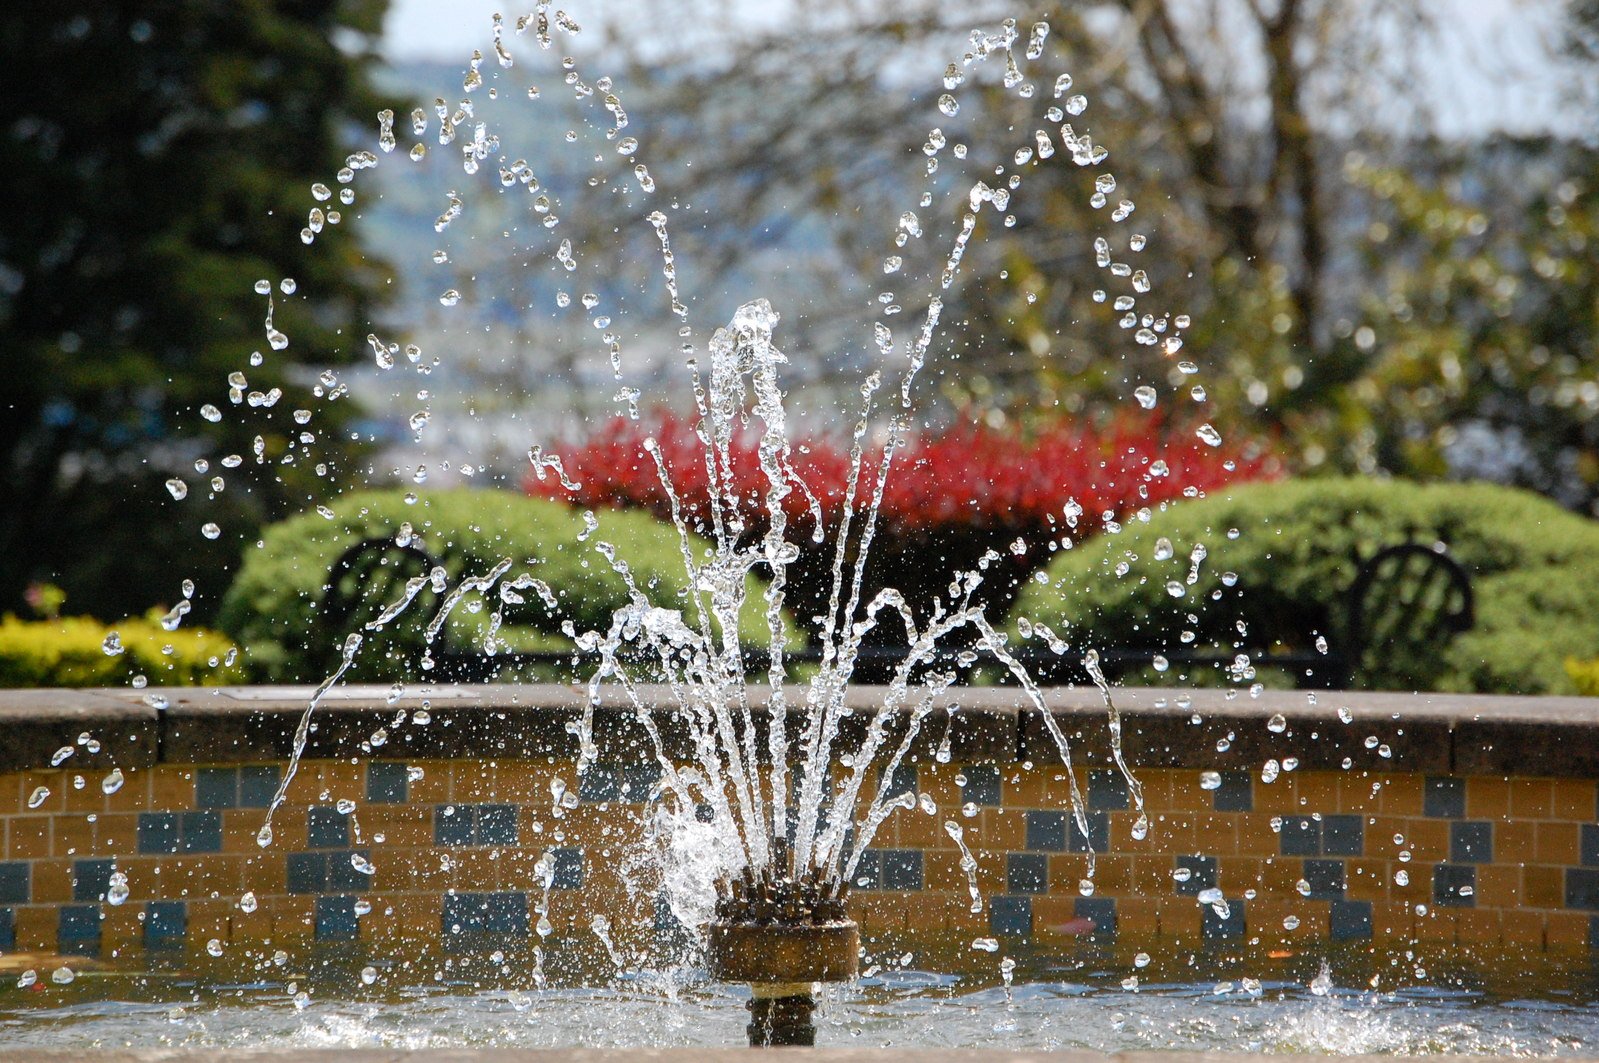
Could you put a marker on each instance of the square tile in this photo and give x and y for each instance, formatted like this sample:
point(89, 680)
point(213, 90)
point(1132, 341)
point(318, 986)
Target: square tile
point(258, 785)
point(1010, 916)
point(902, 869)
point(78, 929)
point(342, 875)
point(496, 825)
point(568, 869)
point(868, 873)
point(1447, 882)
point(1098, 833)
point(1343, 835)
point(307, 872)
point(1589, 847)
point(507, 913)
point(91, 879)
point(1350, 921)
point(216, 788)
point(1582, 888)
point(454, 824)
point(1107, 789)
point(1444, 796)
point(336, 919)
point(158, 832)
point(1202, 874)
point(387, 783)
point(8, 929)
point(200, 832)
point(1236, 793)
point(1046, 831)
point(1301, 836)
point(982, 784)
point(1026, 872)
point(1219, 927)
point(1102, 910)
point(601, 782)
point(1326, 879)
point(326, 828)
point(165, 923)
point(904, 779)
point(1471, 842)
point(14, 882)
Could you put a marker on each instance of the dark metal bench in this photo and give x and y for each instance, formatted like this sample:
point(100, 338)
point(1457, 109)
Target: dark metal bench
point(1404, 603)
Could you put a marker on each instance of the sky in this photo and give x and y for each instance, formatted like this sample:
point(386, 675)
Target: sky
point(1491, 74)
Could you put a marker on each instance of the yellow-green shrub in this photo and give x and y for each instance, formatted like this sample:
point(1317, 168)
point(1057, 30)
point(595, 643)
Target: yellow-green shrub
point(70, 652)
point(1584, 675)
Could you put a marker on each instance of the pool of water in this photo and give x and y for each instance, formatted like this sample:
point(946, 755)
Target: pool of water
point(1199, 1000)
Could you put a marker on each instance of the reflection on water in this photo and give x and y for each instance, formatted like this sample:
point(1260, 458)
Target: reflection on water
point(1196, 1000)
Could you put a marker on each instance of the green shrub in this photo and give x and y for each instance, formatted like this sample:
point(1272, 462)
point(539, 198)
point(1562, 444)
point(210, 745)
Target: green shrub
point(1584, 675)
point(69, 652)
point(1534, 569)
point(274, 605)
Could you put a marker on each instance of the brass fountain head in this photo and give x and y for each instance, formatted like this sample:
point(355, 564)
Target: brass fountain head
point(781, 937)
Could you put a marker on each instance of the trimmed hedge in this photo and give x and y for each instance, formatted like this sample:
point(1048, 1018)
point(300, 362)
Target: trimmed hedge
point(1585, 676)
point(272, 608)
point(69, 652)
point(1534, 569)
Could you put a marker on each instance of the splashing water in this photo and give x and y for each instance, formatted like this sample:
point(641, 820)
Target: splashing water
point(740, 733)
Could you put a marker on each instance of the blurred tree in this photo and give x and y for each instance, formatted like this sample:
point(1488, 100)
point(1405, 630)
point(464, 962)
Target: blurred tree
point(156, 157)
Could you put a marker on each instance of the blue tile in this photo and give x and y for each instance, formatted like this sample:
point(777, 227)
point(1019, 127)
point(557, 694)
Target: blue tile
point(868, 870)
point(387, 783)
point(1444, 796)
point(326, 828)
point(454, 824)
point(158, 832)
point(1098, 833)
point(1010, 916)
point(507, 913)
point(568, 868)
point(336, 919)
point(1027, 872)
point(1582, 888)
point(496, 825)
point(308, 872)
point(14, 882)
point(1202, 874)
point(1590, 845)
point(8, 929)
point(165, 923)
point(91, 879)
point(78, 930)
point(201, 832)
point(902, 869)
point(982, 784)
point(1107, 788)
point(342, 875)
point(1343, 836)
point(1326, 879)
point(1217, 928)
point(1102, 910)
point(1046, 831)
point(904, 779)
point(1472, 842)
point(1301, 836)
point(1350, 921)
point(1236, 793)
point(601, 782)
point(639, 778)
point(1447, 882)
point(216, 788)
point(258, 785)
point(1593, 931)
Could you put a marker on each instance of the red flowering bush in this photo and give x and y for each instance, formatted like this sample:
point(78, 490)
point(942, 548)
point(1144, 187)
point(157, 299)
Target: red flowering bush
point(949, 499)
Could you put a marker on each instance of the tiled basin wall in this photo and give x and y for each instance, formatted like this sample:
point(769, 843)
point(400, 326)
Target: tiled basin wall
point(1406, 823)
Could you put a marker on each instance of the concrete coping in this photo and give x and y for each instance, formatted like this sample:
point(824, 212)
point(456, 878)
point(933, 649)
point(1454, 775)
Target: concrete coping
point(1162, 727)
point(662, 1055)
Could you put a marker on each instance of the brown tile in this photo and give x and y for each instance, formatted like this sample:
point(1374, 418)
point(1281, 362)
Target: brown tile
point(293, 919)
point(73, 836)
point(1361, 791)
point(1437, 925)
point(916, 830)
point(1427, 839)
point(1112, 873)
point(1531, 799)
point(1393, 922)
point(1401, 795)
point(1179, 917)
point(1278, 797)
point(1565, 931)
point(1417, 888)
point(27, 837)
point(265, 872)
point(1487, 797)
point(1543, 887)
point(88, 797)
point(55, 783)
point(1477, 926)
point(1235, 874)
point(1558, 843)
point(1522, 928)
point(1515, 842)
point(1572, 799)
point(121, 930)
point(1499, 886)
point(1366, 880)
point(1317, 791)
point(1256, 838)
point(1137, 916)
point(997, 830)
point(1219, 832)
point(116, 834)
point(35, 927)
point(1185, 794)
point(134, 796)
point(171, 788)
point(52, 881)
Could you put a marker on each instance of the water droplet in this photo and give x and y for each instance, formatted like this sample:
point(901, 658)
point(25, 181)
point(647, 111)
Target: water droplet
point(1269, 771)
point(369, 975)
point(112, 782)
point(361, 864)
point(247, 903)
point(116, 891)
point(1277, 724)
point(62, 975)
point(27, 978)
point(39, 796)
point(214, 947)
point(177, 488)
point(1146, 397)
point(450, 297)
point(948, 105)
point(1210, 780)
point(210, 530)
point(1208, 435)
point(1290, 922)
